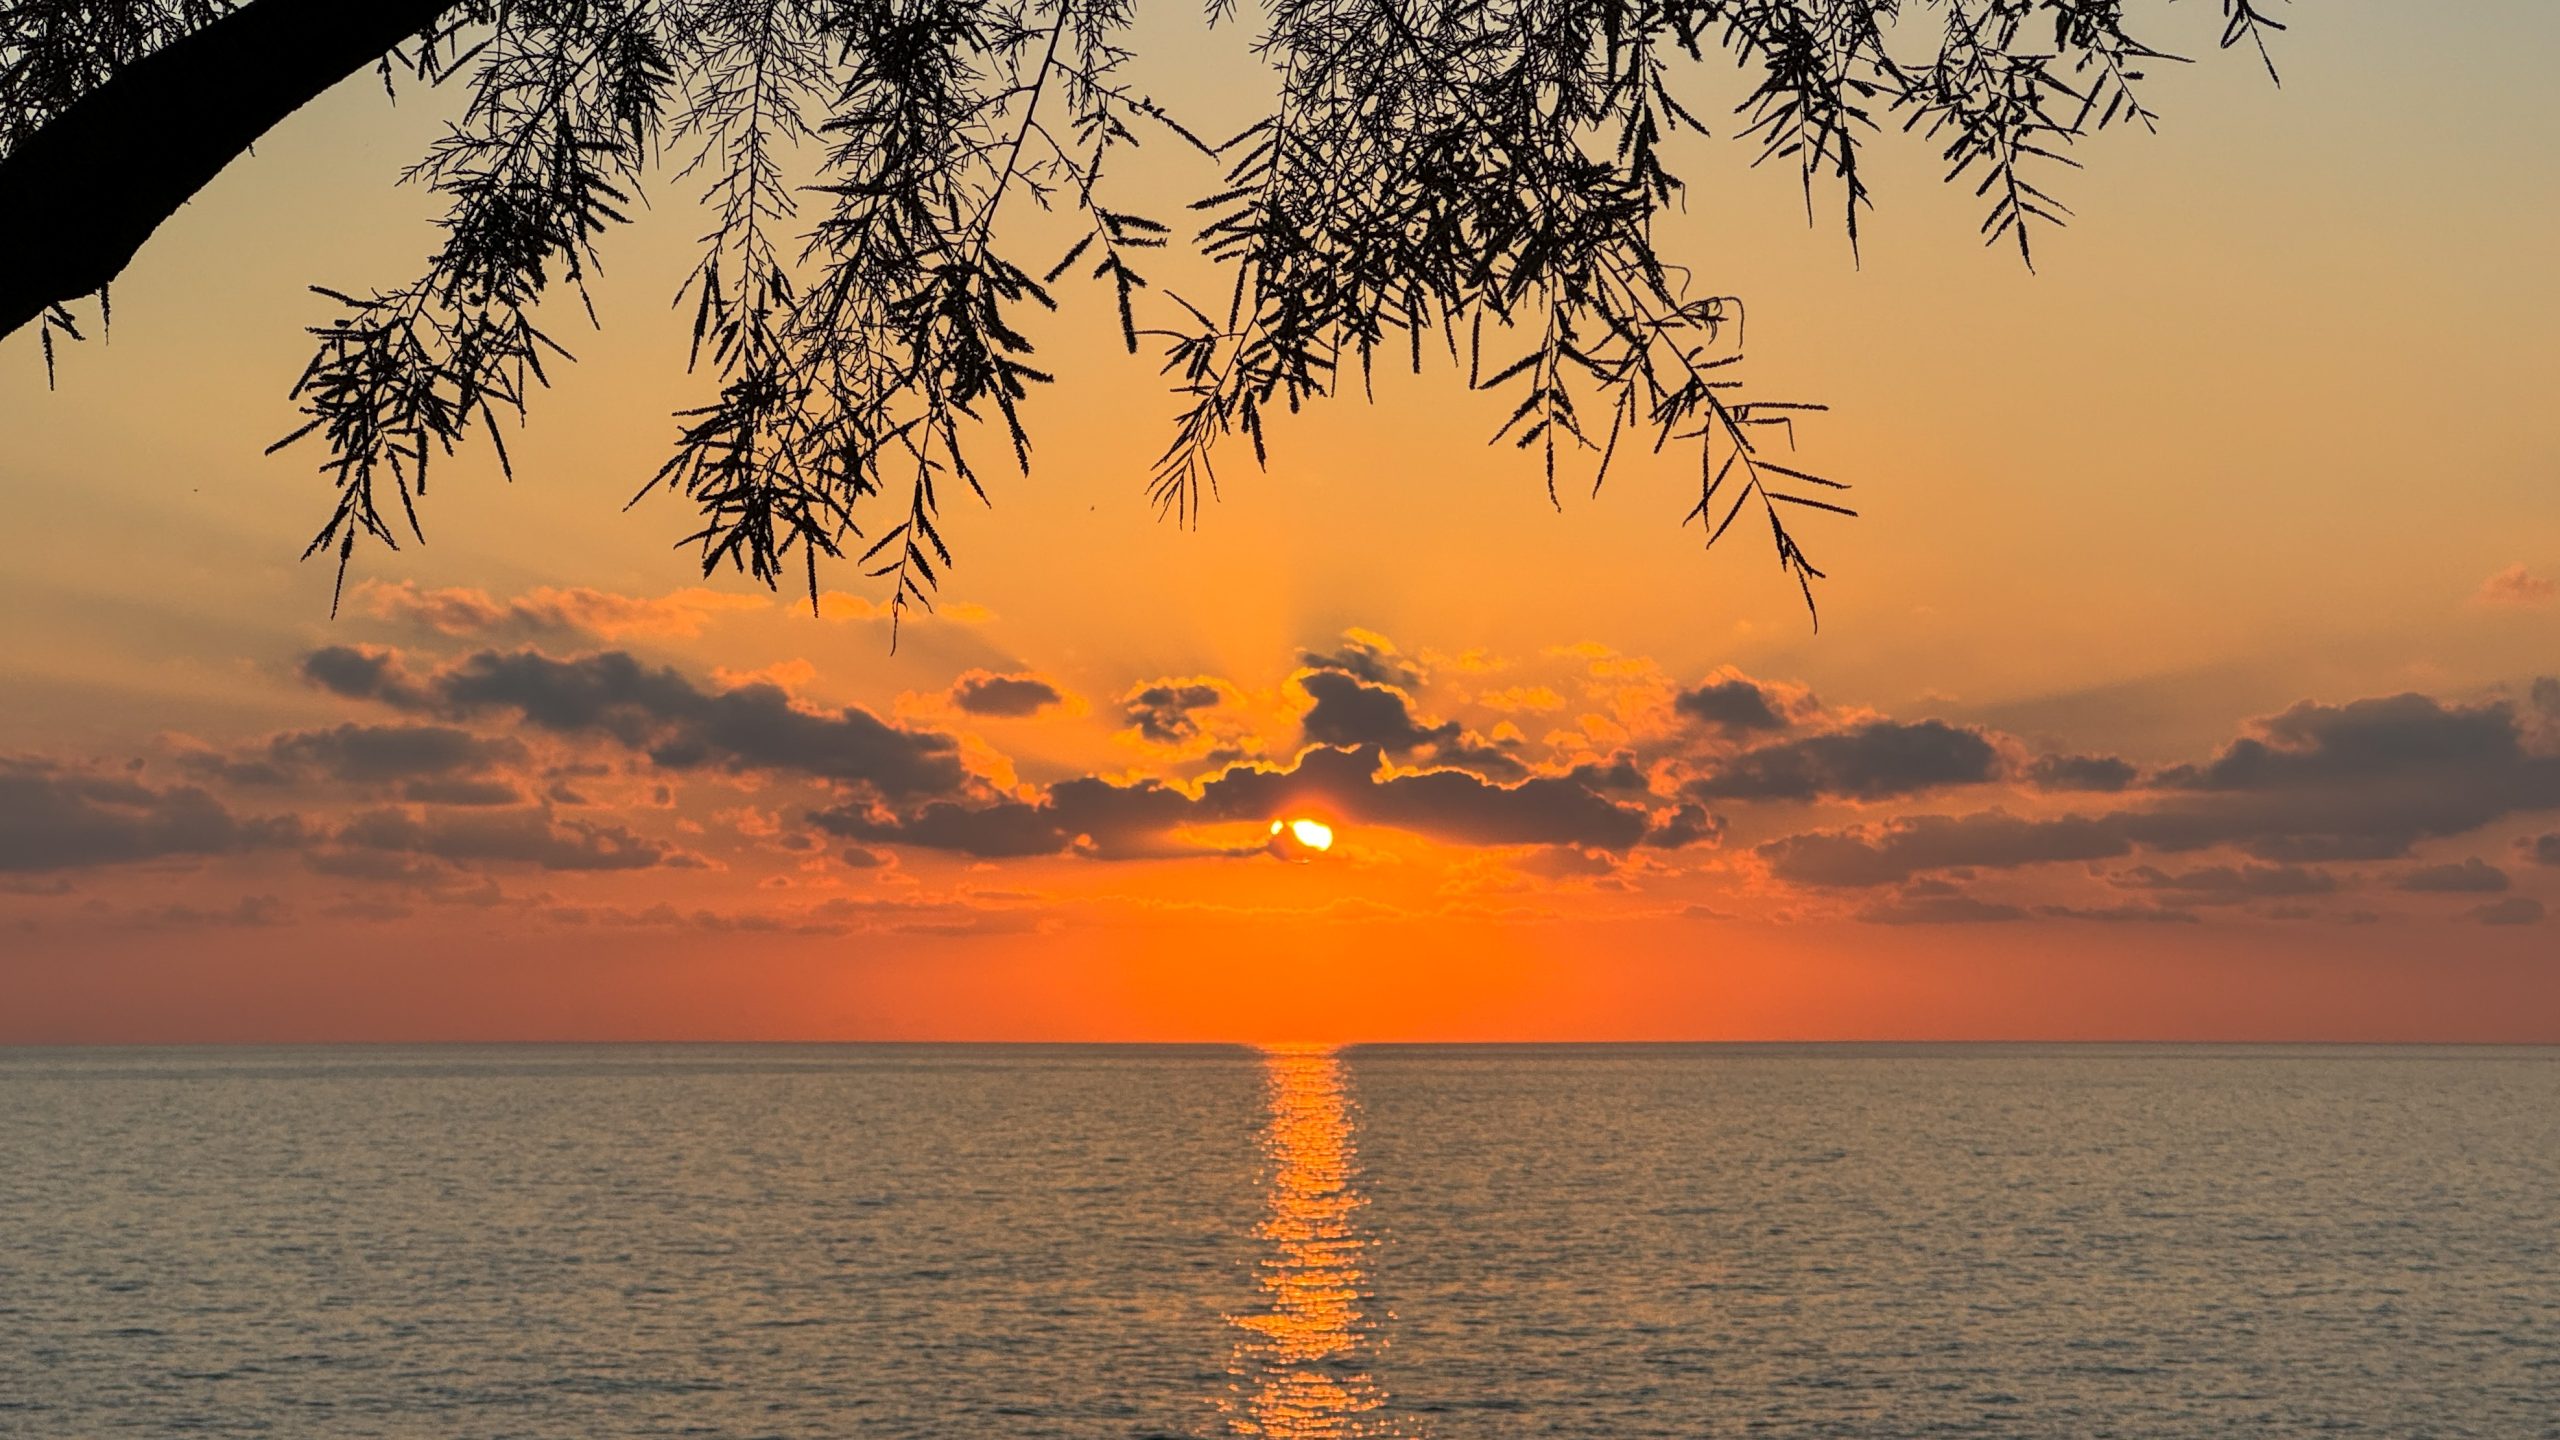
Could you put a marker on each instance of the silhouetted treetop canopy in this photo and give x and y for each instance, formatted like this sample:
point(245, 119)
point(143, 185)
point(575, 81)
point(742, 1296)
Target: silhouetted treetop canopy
point(1476, 180)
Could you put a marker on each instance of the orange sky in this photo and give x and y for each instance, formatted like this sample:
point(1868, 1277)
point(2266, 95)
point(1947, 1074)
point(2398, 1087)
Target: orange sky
point(2179, 679)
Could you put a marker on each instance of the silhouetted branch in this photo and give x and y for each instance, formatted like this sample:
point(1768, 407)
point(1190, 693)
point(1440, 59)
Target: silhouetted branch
point(1480, 177)
point(83, 189)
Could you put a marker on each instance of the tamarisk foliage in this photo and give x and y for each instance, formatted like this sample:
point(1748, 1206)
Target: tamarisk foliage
point(1474, 180)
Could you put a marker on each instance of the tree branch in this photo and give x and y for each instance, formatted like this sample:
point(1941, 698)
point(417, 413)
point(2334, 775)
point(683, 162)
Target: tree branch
point(82, 194)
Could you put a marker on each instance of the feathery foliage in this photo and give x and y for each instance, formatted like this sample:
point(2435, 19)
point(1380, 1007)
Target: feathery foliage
point(1478, 180)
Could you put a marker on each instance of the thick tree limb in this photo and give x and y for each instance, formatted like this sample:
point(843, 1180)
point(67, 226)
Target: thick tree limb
point(80, 196)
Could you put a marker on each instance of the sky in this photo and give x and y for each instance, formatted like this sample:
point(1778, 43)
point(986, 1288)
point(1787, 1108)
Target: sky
point(2188, 673)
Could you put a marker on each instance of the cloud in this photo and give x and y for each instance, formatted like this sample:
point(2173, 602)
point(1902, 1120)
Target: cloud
point(657, 711)
point(840, 606)
point(1878, 760)
point(1937, 902)
point(436, 783)
point(1352, 712)
point(249, 912)
point(2121, 914)
point(1167, 711)
point(2515, 588)
point(530, 836)
point(1894, 850)
point(1687, 825)
point(1005, 697)
point(2366, 780)
point(2514, 910)
point(1733, 704)
point(2472, 876)
point(2363, 780)
point(2230, 884)
point(1516, 699)
point(2309, 912)
point(1564, 862)
point(1368, 656)
point(1136, 819)
point(2314, 744)
point(362, 755)
point(2080, 772)
point(965, 914)
point(551, 610)
point(463, 792)
point(362, 672)
point(56, 818)
point(1933, 902)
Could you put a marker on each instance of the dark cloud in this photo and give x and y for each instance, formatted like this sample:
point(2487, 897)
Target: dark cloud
point(2230, 884)
point(2513, 910)
point(364, 755)
point(530, 836)
point(2308, 912)
point(1004, 830)
point(387, 866)
point(359, 908)
point(1004, 697)
point(2081, 772)
point(1896, 850)
point(1369, 657)
point(1934, 902)
point(657, 711)
point(462, 792)
point(2121, 914)
point(53, 818)
point(2362, 781)
point(1353, 712)
point(1165, 711)
point(1938, 902)
point(2365, 780)
point(1619, 775)
point(1109, 820)
point(1735, 705)
point(2369, 779)
point(1467, 809)
point(666, 916)
point(2471, 876)
point(2540, 849)
point(1686, 825)
point(2314, 745)
point(1485, 758)
point(361, 673)
point(1874, 761)
point(249, 912)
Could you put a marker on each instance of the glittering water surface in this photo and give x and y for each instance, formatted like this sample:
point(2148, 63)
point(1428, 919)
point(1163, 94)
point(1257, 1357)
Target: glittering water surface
point(1453, 1243)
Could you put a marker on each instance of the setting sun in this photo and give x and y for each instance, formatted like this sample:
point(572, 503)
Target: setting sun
point(1300, 839)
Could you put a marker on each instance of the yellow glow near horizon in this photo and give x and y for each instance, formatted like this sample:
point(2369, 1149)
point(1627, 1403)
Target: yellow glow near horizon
point(1298, 838)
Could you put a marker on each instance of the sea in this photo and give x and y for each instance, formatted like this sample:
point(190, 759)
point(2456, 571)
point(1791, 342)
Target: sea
point(1458, 1242)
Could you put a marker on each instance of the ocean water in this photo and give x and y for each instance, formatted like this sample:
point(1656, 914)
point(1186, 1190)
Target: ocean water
point(1427, 1242)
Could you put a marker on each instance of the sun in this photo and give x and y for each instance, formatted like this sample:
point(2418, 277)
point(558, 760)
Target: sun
point(1300, 839)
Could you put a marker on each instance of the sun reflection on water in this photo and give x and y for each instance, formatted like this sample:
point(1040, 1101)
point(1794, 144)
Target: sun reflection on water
point(1301, 1364)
